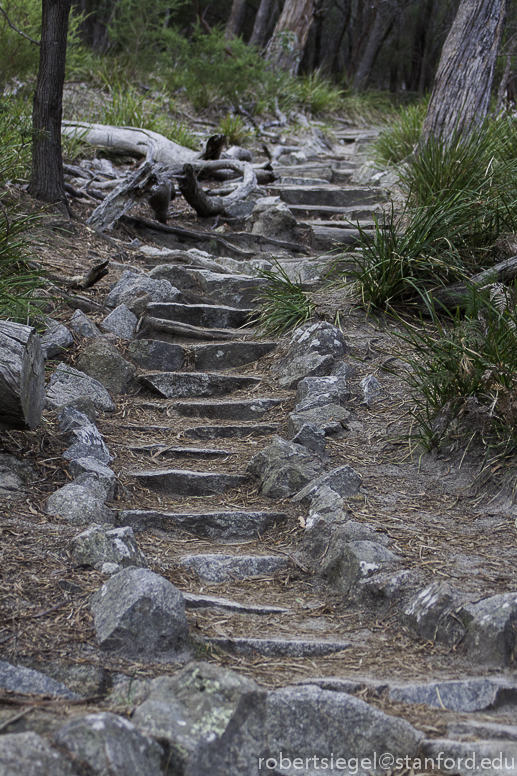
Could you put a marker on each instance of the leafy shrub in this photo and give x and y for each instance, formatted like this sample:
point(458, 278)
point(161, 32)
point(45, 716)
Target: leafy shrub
point(318, 94)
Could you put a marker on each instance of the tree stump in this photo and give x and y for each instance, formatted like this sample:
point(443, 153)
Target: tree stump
point(22, 376)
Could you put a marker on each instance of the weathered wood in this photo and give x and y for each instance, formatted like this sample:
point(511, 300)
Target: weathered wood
point(212, 206)
point(123, 197)
point(456, 295)
point(22, 376)
point(194, 332)
point(138, 142)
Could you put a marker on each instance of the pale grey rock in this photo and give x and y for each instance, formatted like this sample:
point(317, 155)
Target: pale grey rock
point(283, 468)
point(330, 418)
point(27, 754)
point(491, 629)
point(175, 385)
point(347, 562)
point(462, 695)
point(470, 758)
point(140, 615)
point(78, 504)
point(312, 437)
point(20, 679)
point(212, 720)
point(217, 567)
point(335, 386)
point(388, 589)
point(279, 647)
point(111, 746)
point(371, 389)
point(132, 284)
point(110, 568)
point(121, 322)
point(98, 545)
point(88, 443)
point(466, 730)
point(55, 340)
point(79, 412)
point(275, 221)
point(102, 361)
point(312, 352)
point(431, 614)
point(343, 480)
point(292, 370)
point(154, 354)
point(81, 324)
point(95, 475)
point(307, 722)
point(68, 384)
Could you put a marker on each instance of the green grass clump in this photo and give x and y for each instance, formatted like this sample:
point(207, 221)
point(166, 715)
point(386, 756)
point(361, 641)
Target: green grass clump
point(318, 94)
point(463, 373)
point(398, 141)
point(234, 129)
point(283, 305)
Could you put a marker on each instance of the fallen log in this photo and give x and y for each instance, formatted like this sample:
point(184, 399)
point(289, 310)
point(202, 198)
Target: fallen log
point(456, 295)
point(123, 197)
point(138, 142)
point(22, 376)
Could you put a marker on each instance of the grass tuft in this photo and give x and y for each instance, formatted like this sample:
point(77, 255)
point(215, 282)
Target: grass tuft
point(284, 305)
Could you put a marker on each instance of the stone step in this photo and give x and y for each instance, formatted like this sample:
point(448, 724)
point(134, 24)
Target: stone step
point(353, 213)
point(249, 409)
point(217, 567)
point(325, 237)
point(226, 355)
point(292, 180)
point(229, 290)
point(202, 315)
point(328, 196)
point(231, 432)
point(174, 385)
point(166, 450)
point(193, 601)
point(182, 482)
point(278, 647)
point(220, 526)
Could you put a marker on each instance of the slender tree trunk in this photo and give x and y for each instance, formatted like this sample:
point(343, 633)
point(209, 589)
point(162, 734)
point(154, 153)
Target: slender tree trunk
point(461, 94)
point(285, 48)
point(258, 36)
point(234, 23)
point(46, 181)
point(381, 28)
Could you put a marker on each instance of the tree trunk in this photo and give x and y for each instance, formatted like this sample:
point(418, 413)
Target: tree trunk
point(46, 181)
point(258, 36)
point(234, 23)
point(285, 48)
point(380, 30)
point(22, 376)
point(461, 94)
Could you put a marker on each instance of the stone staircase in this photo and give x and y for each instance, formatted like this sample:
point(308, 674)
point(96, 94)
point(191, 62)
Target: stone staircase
point(208, 401)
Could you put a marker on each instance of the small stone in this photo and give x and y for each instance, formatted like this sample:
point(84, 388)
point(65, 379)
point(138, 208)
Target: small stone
point(312, 438)
point(98, 545)
point(102, 361)
point(283, 468)
point(78, 504)
point(88, 443)
point(27, 754)
point(343, 480)
point(81, 324)
point(68, 384)
point(371, 388)
point(132, 285)
point(55, 340)
point(121, 322)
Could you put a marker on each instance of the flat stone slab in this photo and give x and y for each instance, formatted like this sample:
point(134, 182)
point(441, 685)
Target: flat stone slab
point(182, 482)
point(249, 409)
point(204, 315)
point(193, 601)
point(221, 526)
point(216, 567)
point(330, 195)
point(27, 680)
point(166, 450)
point(279, 647)
point(174, 385)
point(226, 355)
point(463, 695)
point(231, 432)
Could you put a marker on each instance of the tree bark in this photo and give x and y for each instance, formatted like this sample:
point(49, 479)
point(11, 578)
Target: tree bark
point(47, 181)
point(22, 376)
point(258, 36)
point(285, 48)
point(234, 23)
point(461, 94)
point(379, 31)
